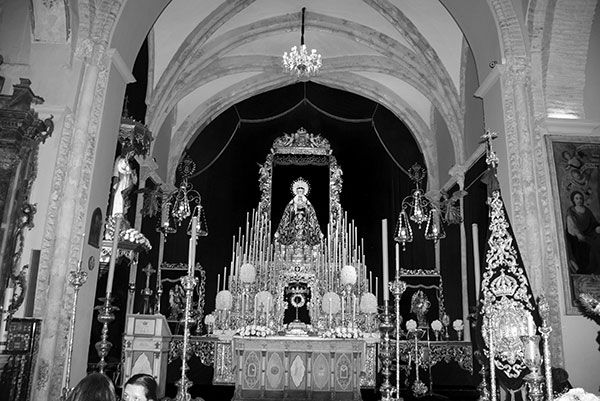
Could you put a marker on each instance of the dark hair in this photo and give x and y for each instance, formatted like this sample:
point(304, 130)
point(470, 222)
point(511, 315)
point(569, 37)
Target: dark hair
point(93, 387)
point(572, 196)
point(146, 381)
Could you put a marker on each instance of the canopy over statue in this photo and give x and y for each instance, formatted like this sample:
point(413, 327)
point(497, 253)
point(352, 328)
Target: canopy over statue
point(299, 224)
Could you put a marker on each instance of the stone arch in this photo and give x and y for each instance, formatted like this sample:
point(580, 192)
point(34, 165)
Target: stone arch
point(203, 114)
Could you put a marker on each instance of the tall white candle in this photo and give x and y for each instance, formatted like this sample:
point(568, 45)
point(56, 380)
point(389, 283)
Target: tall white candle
point(476, 268)
point(218, 282)
point(113, 255)
point(371, 281)
point(377, 288)
point(384, 249)
point(397, 247)
point(224, 277)
point(192, 250)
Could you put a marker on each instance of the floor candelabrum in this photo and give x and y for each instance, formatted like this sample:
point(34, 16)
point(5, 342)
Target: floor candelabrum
point(397, 288)
point(386, 327)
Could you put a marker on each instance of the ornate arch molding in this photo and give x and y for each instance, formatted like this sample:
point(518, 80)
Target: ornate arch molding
point(532, 223)
point(567, 57)
point(204, 113)
point(220, 46)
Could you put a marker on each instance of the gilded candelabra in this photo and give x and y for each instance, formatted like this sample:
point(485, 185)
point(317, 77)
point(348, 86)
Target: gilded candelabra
point(386, 326)
point(77, 278)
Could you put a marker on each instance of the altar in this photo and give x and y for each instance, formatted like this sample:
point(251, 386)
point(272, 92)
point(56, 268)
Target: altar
point(288, 367)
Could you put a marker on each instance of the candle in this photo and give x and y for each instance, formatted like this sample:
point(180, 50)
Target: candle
point(255, 307)
point(371, 281)
point(531, 329)
point(224, 277)
point(397, 260)
point(113, 255)
point(218, 282)
point(192, 249)
point(353, 309)
point(384, 249)
point(377, 288)
point(476, 259)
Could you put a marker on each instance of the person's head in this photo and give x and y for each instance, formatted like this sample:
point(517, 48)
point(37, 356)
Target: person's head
point(93, 387)
point(577, 198)
point(140, 387)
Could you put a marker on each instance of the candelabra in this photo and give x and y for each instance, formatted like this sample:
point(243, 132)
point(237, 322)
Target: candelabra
point(105, 316)
point(188, 283)
point(397, 288)
point(419, 388)
point(532, 359)
point(386, 326)
point(545, 330)
point(77, 278)
point(418, 208)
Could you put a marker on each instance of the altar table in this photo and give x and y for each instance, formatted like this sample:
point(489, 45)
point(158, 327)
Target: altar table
point(301, 367)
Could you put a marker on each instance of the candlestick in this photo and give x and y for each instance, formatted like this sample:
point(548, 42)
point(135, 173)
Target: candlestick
point(114, 255)
point(384, 249)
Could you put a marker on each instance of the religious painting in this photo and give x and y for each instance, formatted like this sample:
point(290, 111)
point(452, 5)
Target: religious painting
point(574, 165)
point(95, 228)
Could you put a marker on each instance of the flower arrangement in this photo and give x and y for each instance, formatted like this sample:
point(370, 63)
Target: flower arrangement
point(223, 300)
point(436, 326)
point(133, 235)
point(577, 394)
point(368, 303)
point(330, 303)
point(348, 275)
point(247, 273)
point(411, 325)
point(255, 330)
point(458, 325)
point(342, 332)
point(209, 319)
point(264, 298)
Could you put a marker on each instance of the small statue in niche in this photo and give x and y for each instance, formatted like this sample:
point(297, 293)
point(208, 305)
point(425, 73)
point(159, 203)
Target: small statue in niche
point(123, 181)
point(299, 222)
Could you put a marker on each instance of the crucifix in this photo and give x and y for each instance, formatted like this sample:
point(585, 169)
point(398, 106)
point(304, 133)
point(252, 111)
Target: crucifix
point(147, 292)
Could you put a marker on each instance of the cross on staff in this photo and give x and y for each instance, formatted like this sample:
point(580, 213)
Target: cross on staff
point(491, 158)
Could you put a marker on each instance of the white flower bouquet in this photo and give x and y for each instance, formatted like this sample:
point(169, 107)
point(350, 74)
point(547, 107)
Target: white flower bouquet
point(577, 394)
point(348, 275)
point(330, 302)
point(343, 332)
point(458, 325)
point(436, 326)
point(209, 319)
point(136, 237)
point(247, 273)
point(255, 330)
point(368, 303)
point(224, 300)
point(411, 325)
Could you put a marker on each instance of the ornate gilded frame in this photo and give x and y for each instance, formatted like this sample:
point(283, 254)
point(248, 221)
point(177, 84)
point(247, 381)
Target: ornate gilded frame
point(577, 172)
point(311, 149)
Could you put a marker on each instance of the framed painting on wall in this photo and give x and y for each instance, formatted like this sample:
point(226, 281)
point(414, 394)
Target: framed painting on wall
point(575, 170)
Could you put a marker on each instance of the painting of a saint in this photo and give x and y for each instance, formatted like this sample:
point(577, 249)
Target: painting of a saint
point(575, 162)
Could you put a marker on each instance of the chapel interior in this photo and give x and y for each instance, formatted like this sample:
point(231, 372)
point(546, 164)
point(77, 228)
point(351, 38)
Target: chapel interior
point(335, 199)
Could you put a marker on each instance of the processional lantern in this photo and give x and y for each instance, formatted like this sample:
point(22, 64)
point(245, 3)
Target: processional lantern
point(184, 202)
point(421, 210)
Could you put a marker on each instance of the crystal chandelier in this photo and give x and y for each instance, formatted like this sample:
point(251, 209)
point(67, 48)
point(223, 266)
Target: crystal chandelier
point(298, 62)
point(184, 202)
point(418, 208)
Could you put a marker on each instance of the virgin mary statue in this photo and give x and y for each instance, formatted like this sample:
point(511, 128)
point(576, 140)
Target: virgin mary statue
point(299, 224)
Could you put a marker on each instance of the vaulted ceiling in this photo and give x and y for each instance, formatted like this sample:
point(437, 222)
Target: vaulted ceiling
point(408, 55)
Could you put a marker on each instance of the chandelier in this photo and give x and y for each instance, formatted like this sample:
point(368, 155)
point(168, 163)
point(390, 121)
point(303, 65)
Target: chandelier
point(299, 62)
point(418, 208)
point(184, 202)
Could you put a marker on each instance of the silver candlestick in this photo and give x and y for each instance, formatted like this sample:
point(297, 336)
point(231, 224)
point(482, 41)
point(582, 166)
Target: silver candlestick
point(545, 331)
point(397, 288)
point(386, 327)
point(77, 278)
point(188, 283)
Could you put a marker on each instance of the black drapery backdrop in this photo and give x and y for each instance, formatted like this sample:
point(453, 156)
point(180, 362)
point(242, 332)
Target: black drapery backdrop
point(373, 184)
